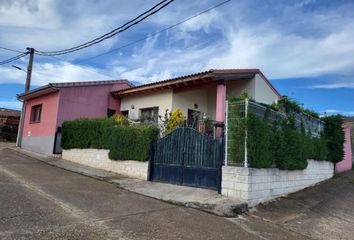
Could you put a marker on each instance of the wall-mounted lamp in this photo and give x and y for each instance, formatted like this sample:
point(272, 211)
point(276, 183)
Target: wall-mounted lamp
point(132, 106)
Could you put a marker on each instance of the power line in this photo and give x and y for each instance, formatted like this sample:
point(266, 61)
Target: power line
point(85, 69)
point(11, 50)
point(13, 58)
point(156, 33)
point(114, 32)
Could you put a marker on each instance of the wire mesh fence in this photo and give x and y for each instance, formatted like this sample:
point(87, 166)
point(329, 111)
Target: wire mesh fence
point(236, 136)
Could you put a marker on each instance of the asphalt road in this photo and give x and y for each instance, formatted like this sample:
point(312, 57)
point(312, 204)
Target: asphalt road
point(39, 201)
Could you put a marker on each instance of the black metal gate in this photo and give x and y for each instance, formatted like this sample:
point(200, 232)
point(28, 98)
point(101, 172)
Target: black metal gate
point(187, 157)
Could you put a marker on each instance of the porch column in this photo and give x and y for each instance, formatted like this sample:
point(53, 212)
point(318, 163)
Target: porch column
point(220, 105)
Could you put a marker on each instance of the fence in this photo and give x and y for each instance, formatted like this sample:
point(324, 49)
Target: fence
point(312, 125)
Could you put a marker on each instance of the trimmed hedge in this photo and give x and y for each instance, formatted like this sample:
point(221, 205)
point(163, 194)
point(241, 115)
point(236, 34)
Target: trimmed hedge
point(132, 143)
point(87, 133)
point(124, 142)
point(280, 143)
point(236, 136)
point(259, 142)
point(335, 137)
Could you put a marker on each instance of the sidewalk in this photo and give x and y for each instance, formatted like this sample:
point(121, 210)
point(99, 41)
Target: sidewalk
point(201, 199)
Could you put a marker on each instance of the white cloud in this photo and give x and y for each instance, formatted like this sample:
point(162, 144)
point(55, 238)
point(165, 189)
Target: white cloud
point(290, 43)
point(30, 13)
point(11, 104)
point(335, 84)
point(45, 73)
point(288, 56)
point(337, 111)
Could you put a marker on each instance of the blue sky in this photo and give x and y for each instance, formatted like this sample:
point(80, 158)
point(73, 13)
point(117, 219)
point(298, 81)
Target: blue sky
point(305, 48)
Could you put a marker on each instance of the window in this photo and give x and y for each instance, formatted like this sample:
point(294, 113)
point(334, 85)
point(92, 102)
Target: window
point(193, 117)
point(36, 113)
point(149, 115)
point(110, 112)
point(125, 113)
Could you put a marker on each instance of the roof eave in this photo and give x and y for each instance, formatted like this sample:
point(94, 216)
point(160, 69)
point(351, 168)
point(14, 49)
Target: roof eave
point(47, 89)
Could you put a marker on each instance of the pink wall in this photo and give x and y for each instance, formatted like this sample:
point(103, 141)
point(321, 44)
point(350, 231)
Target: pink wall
point(47, 124)
point(346, 163)
point(87, 101)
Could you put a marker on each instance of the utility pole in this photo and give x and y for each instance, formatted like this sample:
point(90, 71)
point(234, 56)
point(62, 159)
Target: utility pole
point(27, 89)
point(29, 69)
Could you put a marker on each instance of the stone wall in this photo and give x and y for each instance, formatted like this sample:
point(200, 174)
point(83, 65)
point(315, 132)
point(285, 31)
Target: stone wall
point(258, 185)
point(98, 158)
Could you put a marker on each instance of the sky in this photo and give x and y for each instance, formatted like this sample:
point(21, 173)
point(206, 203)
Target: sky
point(305, 47)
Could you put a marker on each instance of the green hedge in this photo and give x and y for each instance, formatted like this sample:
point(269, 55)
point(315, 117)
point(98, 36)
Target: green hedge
point(259, 142)
point(236, 136)
point(132, 143)
point(124, 142)
point(86, 133)
point(335, 137)
point(280, 143)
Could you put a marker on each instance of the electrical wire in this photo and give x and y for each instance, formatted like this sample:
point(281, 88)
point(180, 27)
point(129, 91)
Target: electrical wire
point(155, 33)
point(114, 32)
point(11, 50)
point(13, 58)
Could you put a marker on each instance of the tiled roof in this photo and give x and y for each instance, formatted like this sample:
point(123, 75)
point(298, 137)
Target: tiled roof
point(212, 74)
point(51, 87)
point(5, 112)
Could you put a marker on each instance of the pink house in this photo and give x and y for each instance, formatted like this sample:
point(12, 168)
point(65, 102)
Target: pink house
point(203, 94)
point(347, 162)
point(47, 107)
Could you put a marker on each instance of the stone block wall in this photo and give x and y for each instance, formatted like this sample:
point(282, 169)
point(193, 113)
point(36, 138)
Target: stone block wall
point(98, 158)
point(258, 185)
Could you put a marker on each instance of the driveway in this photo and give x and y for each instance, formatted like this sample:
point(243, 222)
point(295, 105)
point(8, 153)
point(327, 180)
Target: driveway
point(39, 201)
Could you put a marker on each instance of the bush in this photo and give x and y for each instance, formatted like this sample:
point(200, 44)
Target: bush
point(86, 133)
point(291, 153)
point(259, 142)
point(236, 135)
point(124, 142)
point(176, 119)
point(120, 120)
point(8, 133)
point(334, 134)
point(132, 143)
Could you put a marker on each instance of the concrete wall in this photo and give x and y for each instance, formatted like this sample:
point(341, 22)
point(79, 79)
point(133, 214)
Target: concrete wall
point(87, 101)
point(161, 99)
point(40, 144)
point(39, 136)
point(99, 159)
point(259, 185)
point(236, 87)
point(347, 162)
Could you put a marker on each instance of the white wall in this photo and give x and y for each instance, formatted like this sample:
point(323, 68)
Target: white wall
point(186, 98)
point(98, 158)
point(237, 86)
point(263, 92)
point(161, 99)
point(258, 185)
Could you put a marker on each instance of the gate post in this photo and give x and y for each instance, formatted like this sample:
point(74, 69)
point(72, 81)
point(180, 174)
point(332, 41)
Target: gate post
point(151, 157)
